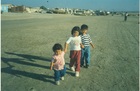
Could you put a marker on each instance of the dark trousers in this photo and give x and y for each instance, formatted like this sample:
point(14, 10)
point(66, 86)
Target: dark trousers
point(125, 18)
point(75, 59)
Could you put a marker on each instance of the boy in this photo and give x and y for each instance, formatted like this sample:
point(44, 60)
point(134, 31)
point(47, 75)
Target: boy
point(86, 41)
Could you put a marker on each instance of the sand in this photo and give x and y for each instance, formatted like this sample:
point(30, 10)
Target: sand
point(26, 51)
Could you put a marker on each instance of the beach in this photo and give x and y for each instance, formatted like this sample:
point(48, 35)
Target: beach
point(26, 51)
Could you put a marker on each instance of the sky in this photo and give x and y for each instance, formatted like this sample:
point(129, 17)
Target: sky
point(110, 5)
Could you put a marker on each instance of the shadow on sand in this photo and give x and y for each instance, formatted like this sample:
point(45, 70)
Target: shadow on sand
point(18, 73)
point(22, 61)
point(29, 57)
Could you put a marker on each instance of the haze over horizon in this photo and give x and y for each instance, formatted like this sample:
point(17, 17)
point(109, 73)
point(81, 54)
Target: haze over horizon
point(110, 5)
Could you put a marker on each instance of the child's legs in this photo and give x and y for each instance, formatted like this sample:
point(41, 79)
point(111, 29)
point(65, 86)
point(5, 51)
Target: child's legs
point(72, 62)
point(72, 59)
point(56, 75)
point(87, 55)
point(78, 57)
point(82, 56)
point(62, 72)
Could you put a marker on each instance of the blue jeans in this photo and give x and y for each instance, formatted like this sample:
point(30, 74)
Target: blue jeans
point(85, 55)
point(59, 73)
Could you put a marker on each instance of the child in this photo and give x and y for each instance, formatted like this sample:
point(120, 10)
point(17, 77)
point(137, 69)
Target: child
point(75, 50)
point(125, 16)
point(58, 63)
point(86, 41)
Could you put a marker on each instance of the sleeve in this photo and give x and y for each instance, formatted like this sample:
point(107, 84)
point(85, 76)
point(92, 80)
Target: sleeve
point(68, 41)
point(53, 58)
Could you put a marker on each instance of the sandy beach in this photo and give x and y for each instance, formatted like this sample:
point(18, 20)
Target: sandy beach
point(26, 51)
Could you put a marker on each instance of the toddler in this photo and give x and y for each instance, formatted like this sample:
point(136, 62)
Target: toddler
point(58, 63)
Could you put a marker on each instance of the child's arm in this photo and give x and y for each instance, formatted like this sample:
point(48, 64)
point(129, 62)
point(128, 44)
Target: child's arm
point(51, 65)
point(65, 47)
point(92, 45)
point(90, 41)
point(82, 46)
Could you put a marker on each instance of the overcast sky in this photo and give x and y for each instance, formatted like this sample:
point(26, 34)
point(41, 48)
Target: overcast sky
point(115, 5)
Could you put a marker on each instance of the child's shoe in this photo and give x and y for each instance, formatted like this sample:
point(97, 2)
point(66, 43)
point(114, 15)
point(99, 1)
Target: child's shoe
point(57, 83)
point(81, 65)
point(62, 78)
point(72, 68)
point(77, 74)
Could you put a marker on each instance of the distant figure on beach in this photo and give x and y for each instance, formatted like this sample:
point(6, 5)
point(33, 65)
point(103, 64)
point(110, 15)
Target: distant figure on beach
point(75, 50)
point(86, 41)
point(58, 63)
point(125, 16)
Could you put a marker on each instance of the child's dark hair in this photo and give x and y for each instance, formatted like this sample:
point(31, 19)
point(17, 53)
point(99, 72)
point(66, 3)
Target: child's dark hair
point(84, 27)
point(76, 28)
point(57, 46)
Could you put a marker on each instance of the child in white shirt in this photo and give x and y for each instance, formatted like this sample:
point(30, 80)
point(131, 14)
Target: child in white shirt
point(75, 50)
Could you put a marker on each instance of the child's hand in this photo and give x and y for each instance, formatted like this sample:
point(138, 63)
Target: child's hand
point(82, 46)
point(93, 46)
point(50, 68)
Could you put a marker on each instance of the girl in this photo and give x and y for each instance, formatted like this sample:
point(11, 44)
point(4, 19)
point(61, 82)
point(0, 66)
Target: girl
point(58, 63)
point(75, 50)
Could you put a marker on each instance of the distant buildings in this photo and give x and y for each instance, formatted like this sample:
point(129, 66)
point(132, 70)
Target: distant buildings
point(20, 9)
point(33, 10)
point(74, 11)
point(12, 8)
point(25, 9)
point(6, 7)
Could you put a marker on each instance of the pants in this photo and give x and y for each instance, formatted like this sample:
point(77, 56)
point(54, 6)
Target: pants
point(59, 73)
point(85, 55)
point(125, 18)
point(75, 57)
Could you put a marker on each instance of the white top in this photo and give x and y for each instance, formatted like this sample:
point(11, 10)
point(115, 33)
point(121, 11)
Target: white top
point(74, 43)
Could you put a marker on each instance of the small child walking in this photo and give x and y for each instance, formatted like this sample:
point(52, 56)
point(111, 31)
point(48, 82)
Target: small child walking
point(75, 50)
point(58, 63)
point(86, 41)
